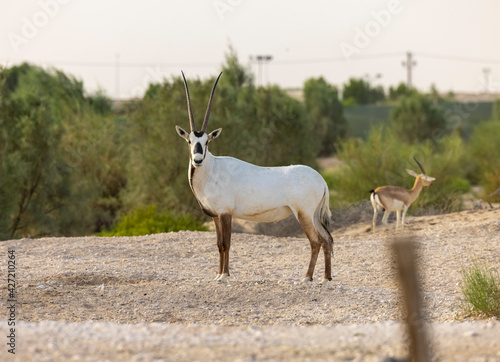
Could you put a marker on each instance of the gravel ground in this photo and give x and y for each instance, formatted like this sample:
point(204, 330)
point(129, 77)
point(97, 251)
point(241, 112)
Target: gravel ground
point(153, 298)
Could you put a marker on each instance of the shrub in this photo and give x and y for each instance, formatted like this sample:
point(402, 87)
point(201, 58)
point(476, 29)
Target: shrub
point(147, 220)
point(484, 146)
point(481, 289)
point(60, 170)
point(325, 113)
point(417, 118)
point(361, 92)
point(330, 178)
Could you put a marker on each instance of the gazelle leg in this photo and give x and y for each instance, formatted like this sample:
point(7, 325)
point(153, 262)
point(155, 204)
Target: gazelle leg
point(375, 213)
point(385, 217)
point(398, 219)
point(375, 210)
point(405, 209)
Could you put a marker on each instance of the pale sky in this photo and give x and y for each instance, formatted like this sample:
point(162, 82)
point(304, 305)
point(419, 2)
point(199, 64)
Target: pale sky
point(452, 41)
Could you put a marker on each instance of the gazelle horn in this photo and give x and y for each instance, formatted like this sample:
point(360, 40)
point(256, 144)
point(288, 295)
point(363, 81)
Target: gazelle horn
point(419, 165)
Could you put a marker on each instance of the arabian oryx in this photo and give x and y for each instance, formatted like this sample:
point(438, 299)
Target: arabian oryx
point(395, 198)
point(228, 188)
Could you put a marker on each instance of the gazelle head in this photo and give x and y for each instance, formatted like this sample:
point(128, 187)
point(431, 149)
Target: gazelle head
point(198, 140)
point(426, 180)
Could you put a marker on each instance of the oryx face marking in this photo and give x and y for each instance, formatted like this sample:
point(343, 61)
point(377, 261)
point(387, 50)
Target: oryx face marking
point(197, 148)
point(198, 144)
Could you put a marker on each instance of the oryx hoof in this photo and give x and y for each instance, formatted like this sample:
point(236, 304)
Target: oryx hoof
point(307, 280)
point(221, 278)
point(325, 281)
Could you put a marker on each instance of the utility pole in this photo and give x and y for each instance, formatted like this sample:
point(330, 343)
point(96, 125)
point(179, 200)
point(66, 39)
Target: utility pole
point(486, 73)
point(117, 75)
point(409, 64)
point(261, 59)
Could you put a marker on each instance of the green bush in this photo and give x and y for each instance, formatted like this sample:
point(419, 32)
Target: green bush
point(418, 118)
point(147, 220)
point(330, 178)
point(484, 146)
point(383, 159)
point(60, 172)
point(361, 92)
point(325, 113)
point(481, 289)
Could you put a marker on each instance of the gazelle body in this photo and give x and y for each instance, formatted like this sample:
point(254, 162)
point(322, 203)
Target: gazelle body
point(228, 188)
point(395, 198)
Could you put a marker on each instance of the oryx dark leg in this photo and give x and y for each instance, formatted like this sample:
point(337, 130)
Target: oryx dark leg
point(223, 227)
point(315, 247)
point(315, 241)
point(328, 251)
point(220, 245)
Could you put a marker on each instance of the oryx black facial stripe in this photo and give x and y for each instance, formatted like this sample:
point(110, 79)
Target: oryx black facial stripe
point(198, 134)
point(198, 148)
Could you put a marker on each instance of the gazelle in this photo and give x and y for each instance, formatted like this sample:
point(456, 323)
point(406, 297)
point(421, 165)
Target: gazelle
point(228, 188)
point(395, 198)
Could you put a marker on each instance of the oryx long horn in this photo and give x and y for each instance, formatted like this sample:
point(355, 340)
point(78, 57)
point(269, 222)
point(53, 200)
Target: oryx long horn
point(419, 165)
point(207, 115)
point(190, 109)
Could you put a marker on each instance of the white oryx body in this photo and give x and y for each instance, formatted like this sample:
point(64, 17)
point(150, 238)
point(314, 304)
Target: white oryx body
point(227, 188)
point(226, 185)
point(395, 198)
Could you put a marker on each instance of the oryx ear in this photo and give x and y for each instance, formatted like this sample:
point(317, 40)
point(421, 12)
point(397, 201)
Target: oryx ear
point(214, 134)
point(182, 133)
point(413, 173)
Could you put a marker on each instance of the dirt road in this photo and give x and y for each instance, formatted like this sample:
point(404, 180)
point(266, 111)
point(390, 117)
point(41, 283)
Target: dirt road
point(152, 297)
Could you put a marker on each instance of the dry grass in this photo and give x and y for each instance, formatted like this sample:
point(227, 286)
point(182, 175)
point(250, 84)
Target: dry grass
point(481, 289)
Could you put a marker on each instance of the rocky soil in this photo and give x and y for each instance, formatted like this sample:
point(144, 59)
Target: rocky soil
point(153, 297)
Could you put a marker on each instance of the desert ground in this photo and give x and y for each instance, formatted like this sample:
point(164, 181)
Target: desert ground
point(153, 297)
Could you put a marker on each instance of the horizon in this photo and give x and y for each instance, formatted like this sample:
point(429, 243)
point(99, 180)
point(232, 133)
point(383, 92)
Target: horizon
point(122, 47)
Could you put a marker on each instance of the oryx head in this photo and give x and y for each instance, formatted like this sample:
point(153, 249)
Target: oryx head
point(426, 180)
point(198, 140)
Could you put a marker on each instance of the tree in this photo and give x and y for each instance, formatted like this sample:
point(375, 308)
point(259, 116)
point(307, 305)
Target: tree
point(33, 184)
point(325, 112)
point(52, 154)
point(401, 90)
point(484, 159)
point(417, 118)
point(361, 92)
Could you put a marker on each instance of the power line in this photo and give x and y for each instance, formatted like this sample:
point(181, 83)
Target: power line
point(97, 64)
point(111, 64)
point(459, 58)
point(336, 59)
